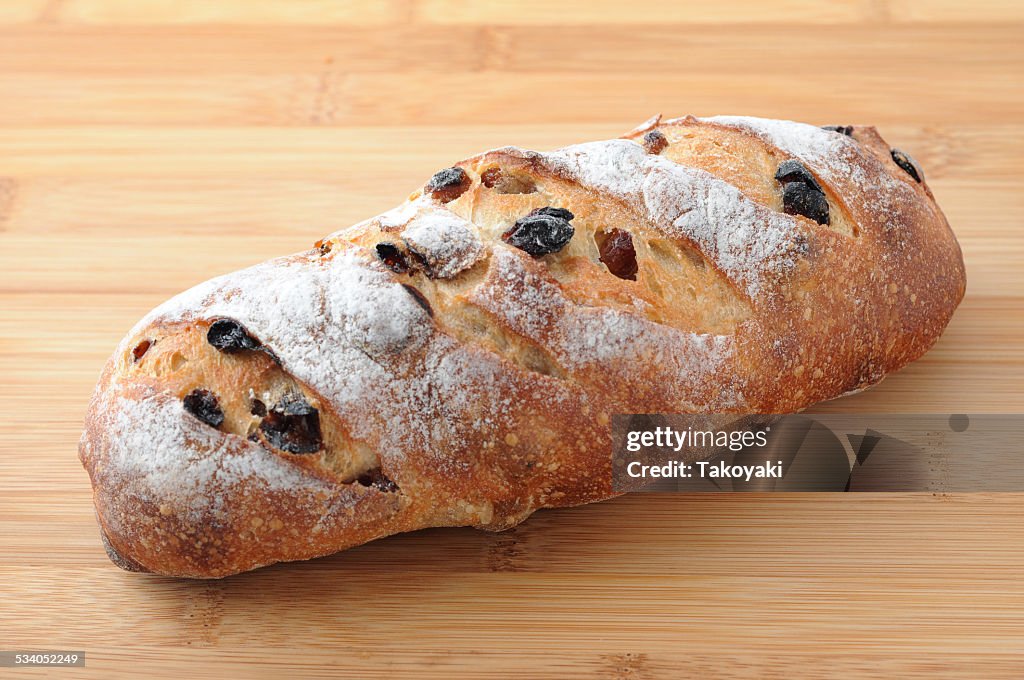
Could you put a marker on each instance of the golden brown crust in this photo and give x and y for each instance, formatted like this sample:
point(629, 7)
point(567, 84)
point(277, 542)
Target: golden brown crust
point(457, 380)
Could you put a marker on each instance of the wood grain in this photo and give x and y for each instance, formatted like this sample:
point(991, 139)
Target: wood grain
point(146, 145)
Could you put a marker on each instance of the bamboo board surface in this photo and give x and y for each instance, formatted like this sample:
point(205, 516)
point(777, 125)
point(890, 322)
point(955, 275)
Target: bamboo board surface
point(146, 145)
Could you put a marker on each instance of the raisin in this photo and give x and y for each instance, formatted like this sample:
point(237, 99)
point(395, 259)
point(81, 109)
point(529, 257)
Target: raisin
point(618, 254)
point(543, 231)
point(141, 349)
point(420, 258)
point(655, 142)
point(800, 199)
point(908, 164)
point(419, 298)
point(378, 479)
point(230, 337)
point(205, 406)
point(801, 193)
point(392, 257)
point(323, 247)
point(841, 129)
point(490, 177)
point(794, 171)
point(258, 408)
point(448, 184)
point(293, 426)
point(553, 212)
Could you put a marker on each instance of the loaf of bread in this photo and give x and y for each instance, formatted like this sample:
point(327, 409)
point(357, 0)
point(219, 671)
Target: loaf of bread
point(457, 360)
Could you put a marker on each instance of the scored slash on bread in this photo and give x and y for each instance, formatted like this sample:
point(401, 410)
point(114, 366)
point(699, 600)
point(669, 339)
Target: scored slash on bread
point(456, 361)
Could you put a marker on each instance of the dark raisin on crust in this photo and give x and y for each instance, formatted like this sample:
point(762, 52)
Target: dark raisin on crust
point(229, 336)
point(799, 199)
point(392, 257)
point(618, 253)
point(908, 164)
point(490, 177)
point(323, 247)
point(419, 262)
point(801, 193)
point(448, 184)
point(377, 478)
point(293, 425)
point(841, 129)
point(140, 350)
point(205, 406)
point(543, 231)
point(794, 171)
point(420, 299)
point(420, 259)
point(654, 142)
point(552, 211)
point(258, 408)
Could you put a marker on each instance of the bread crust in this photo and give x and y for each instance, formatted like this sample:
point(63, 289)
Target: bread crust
point(476, 384)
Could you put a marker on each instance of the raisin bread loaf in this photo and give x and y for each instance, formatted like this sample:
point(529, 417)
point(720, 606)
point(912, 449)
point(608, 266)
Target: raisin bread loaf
point(457, 360)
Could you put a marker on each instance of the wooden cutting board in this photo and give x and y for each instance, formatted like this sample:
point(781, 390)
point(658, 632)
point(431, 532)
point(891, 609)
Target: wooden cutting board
point(146, 145)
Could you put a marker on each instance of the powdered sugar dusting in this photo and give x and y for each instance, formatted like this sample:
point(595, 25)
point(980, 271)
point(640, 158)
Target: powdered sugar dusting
point(806, 142)
point(169, 456)
point(616, 166)
point(446, 241)
point(299, 309)
point(291, 303)
point(348, 330)
point(833, 157)
point(745, 240)
point(602, 339)
point(400, 216)
point(529, 303)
